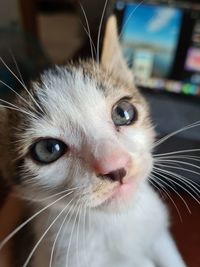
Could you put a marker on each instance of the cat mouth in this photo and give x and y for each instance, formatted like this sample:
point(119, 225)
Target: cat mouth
point(122, 191)
point(116, 194)
point(119, 192)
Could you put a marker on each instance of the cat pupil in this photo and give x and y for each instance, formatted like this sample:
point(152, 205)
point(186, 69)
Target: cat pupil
point(52, 148)
point(122, 113)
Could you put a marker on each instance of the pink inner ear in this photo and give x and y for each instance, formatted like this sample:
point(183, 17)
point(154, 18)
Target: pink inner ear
point(110, 161)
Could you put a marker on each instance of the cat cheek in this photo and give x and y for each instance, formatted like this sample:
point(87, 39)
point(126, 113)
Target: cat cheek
point(137, 140)
point(141, 168)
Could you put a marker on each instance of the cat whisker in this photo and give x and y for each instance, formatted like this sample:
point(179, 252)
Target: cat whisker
point(160, 171)
point(64, 191)
point(129, 17)
point(179, 162)
point(44, 234)
point(177, 152)
point(17, 67)
point(178, 168)
point(72, 231)
point(185, 180)
point(178, 184)
point(167, 165)
point(59, 231)
point(99, 30)
point(179, 157)
point(14, 91)
point(153, 181)
point(22, 84)
point(10, 104)
point(30, 219)
point(12, 107)
point(185, 128)
point(172, 188)
point(70, 190)
point(84, 232)
point(77, 233)
point(88, 32)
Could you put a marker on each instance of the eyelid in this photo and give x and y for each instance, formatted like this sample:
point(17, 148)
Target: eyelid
point(128, 98)
point(124, 98)
point(36, 140)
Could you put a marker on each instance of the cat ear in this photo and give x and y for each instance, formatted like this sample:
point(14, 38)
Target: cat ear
point(112, 58)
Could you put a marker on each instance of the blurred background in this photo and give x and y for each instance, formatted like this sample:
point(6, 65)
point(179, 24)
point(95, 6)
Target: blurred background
point(161, 42)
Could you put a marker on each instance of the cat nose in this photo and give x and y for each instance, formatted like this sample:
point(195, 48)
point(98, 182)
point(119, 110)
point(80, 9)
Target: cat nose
point(113, 165)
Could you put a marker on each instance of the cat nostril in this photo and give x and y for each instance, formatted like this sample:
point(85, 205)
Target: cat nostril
point(116, 175)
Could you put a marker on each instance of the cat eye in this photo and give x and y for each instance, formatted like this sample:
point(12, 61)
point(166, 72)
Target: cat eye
point(47, 151)
point(124, 113)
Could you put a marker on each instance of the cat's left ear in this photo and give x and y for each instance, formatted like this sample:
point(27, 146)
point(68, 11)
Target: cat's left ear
point(112, 58)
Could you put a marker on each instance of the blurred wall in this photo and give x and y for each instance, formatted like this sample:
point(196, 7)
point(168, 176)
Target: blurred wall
point(9, 13)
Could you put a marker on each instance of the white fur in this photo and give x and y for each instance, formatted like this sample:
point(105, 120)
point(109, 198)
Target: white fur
point(135, 238)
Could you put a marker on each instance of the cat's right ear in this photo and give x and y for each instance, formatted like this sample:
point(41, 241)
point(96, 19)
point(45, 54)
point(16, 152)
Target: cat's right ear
point(112, 58)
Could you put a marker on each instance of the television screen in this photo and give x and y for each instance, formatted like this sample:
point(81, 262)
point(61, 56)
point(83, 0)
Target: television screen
point(150, 38)
point(161, 44)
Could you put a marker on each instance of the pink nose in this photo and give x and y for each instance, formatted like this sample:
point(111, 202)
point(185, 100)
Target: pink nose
point(112, 165)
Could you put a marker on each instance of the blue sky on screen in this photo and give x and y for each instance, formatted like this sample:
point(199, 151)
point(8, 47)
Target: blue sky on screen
point(152, 24)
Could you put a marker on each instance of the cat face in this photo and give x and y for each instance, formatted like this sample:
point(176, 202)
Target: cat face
point(84, 127)
point(89, 131)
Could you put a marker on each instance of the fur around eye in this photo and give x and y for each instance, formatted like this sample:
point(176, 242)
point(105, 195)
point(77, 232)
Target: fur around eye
point(124, 113)
point(48, 150)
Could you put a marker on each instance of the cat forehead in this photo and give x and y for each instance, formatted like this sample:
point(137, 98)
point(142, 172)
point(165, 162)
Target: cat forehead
point(72, 97)
point(86, 79)
point(76, 92)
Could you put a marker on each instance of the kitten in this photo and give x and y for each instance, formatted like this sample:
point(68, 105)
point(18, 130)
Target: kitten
point(79, 150)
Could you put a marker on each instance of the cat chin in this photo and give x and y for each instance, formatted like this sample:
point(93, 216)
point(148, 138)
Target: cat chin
point(119, 199)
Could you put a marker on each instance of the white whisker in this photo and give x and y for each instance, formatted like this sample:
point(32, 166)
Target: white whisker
point(167, 193)
point(28, 220)
point(99, 31)
point(72, 231)
point(178, 184)
point(185, 128)
point(179, 162)
point(77, 233)
point(17, 67)
point(14, 91)
point(88, 32)
point(129, 17)
point(43, 235)
point(185, 179)
point(13, 107)
point(84, 233)
point(172, 188)
point(31, 96)
point(59, 193)
point(190, 157)
point(177, 152)
point(58, 233)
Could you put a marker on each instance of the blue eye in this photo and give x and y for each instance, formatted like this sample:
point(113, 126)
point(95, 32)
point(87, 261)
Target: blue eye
point(47, 151)
point(124, 113)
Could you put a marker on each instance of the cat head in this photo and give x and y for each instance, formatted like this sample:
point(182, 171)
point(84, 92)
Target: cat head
point(83, 130)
